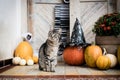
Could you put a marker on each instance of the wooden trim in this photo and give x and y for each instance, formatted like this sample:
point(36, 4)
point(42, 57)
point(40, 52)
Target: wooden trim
point(92, 1)
point(6, 68)
point(48, 2)
point(29, 17)
point(118, 5)
point(112, 6)
point(5, 63)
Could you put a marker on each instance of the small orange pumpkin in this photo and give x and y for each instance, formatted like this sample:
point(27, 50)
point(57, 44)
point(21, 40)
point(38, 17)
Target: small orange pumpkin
point(103, 62)
point(73, 55)
point(24, 50)
point(35, 59)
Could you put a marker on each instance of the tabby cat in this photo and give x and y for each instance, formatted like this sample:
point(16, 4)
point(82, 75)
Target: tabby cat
point(48, 51)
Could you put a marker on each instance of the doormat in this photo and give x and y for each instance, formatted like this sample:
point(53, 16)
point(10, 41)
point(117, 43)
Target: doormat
point(61, 77)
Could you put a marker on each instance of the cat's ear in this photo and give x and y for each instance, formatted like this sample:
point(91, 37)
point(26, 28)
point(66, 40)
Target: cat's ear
point(59, 30)
point(51, 29)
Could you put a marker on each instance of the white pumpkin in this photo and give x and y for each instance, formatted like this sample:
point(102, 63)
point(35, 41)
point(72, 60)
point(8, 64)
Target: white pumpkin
point(23, 62)
point(16, 60)
point(30, 62)
point(113, 60)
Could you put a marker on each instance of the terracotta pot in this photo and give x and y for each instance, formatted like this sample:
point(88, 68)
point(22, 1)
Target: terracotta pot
point(109, 42)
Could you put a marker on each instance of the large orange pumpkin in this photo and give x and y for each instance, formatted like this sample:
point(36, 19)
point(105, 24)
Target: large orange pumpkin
point(73, 55)
point(24, 50)
point(91, 54)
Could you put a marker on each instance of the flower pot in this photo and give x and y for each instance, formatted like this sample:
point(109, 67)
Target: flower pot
point(109, 42)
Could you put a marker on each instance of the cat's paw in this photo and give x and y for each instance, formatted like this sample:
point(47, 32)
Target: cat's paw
point(40, 68)
point(45, 70)
point(52, 70)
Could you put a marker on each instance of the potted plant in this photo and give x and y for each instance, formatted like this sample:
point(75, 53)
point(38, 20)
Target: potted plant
point(107, 30)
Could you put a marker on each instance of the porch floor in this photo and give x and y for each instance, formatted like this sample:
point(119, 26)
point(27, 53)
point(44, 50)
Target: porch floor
point(62, 72)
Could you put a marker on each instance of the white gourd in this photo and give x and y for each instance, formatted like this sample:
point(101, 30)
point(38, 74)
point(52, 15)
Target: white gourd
point(112, 57)
point(113, 60)
point(23, 62)
point(16, 60)
point(30, 62)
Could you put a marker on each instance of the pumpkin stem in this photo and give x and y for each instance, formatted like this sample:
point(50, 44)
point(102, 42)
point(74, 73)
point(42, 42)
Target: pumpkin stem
point(93, 43)
point(104, 51)
point(24, 39)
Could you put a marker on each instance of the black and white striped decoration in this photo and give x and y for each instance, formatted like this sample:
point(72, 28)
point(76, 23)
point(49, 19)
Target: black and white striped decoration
point(62, 21)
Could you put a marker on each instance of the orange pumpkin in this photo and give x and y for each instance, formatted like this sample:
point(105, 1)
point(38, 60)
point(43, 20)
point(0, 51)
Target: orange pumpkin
point(35, 59)
point(73, 55)
point(103, 62)
point(91, 54)
point(28, 58)
point(118, 55)
point(24, 50)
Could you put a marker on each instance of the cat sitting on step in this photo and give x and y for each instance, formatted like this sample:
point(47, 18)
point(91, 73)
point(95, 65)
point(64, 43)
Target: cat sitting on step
point(48, 51)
